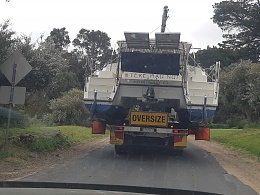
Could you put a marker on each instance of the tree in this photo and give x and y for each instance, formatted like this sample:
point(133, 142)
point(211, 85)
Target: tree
point(94, 49)
point(60, 37)
point(63, 82)
point(7, 40)
point(49, 78)
point(76, 66)
point(240, 90)
point(240, 19)
point(47, 62)
point(210, 56)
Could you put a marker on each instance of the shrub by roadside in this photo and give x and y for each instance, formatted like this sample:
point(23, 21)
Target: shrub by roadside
point(18, 118)
point(46, 139)
point(68, 110)
point(45, 144)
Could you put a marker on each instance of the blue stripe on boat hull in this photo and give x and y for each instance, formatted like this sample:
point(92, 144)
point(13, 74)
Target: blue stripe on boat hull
point(193, 115)
point(112, 114)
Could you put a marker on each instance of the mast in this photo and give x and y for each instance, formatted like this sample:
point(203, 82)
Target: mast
point(164, 18)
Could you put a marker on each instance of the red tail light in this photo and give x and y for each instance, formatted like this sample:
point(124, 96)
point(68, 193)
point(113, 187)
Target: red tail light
point(120, 128)
point(175, 131)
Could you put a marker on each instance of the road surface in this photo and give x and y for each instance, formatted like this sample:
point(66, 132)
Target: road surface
point(195, 170)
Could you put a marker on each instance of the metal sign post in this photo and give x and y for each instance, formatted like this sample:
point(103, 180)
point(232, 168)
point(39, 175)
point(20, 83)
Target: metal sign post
point(14, 68)
point(10, 110)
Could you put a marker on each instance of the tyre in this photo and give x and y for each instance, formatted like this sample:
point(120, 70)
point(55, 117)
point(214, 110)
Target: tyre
point(119, 149)
point(179, 152)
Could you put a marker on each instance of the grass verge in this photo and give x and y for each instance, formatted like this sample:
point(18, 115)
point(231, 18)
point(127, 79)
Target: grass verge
point(246, 140)
point(45, 139)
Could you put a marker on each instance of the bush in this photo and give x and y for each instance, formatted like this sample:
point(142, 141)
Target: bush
point(48, 119)
point(45, 144)
point(34, 121)
point(252, 125)
point(218, 126)
point(18, 118)
point(69, 109)
point(236, 122)
point(36, 104)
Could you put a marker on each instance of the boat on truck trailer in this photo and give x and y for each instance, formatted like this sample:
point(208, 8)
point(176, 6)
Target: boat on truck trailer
point(153, 95)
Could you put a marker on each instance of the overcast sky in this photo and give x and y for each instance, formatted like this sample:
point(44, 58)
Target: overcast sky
point(189, 17)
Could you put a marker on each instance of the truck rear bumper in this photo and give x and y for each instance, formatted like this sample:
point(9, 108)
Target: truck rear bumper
point(149, 131)
point(135, 136)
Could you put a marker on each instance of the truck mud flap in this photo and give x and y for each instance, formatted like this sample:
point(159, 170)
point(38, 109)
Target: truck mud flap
point(180, 141)
point(202, 133)
point(116, 137)
point(98, 127)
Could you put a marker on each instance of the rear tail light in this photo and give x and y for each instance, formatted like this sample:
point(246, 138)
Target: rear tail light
point(120, 128)
point(175, 131)
point(116, 128)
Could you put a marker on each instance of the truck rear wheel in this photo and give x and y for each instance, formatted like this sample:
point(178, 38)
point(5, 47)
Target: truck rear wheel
point(179, 152)
point(119, 149)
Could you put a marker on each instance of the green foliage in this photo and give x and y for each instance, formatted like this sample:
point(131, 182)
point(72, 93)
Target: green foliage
point(240, 91)
point(55, 70)
point(247, 140)
point(46, 139)
point(72, 133)
point(233, 121)
point(218, 126)
point(47, 63)
point(236, 121)
point(77, 66)
point(64, 81)
point(210, 56)
point(69, 109)
point(18, 118)
point(242, 18)
point(255, 125)
point(78, 134)
point(45, 144)
point(36, 104)
point(60, 37)
point(94, 49)
point(6, 154)
point(7, 40)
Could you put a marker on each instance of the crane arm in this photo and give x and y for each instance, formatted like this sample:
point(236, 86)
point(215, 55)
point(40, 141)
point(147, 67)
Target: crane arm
point(164, 18)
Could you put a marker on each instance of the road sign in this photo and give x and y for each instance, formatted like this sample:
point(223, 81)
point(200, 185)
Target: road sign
point(14, 69)
point(22, 68)
point(18, 95)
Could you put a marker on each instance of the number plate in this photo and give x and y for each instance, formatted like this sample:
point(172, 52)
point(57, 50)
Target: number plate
point(148, 130)
point(149, 118)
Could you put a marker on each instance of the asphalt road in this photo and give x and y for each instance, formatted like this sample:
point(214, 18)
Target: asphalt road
point(195, 170)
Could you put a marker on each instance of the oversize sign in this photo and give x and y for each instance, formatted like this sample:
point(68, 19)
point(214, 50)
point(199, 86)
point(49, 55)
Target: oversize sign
point(149, 118)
